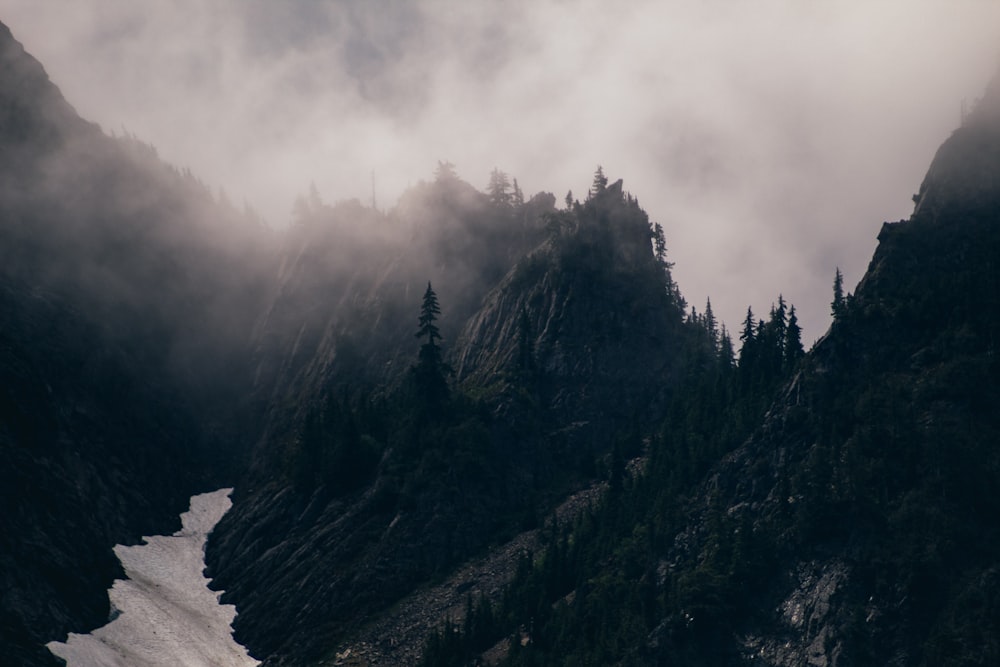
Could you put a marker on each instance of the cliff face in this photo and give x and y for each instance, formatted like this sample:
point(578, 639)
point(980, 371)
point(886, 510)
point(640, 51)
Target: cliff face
point(586, 320)
point(563, 343)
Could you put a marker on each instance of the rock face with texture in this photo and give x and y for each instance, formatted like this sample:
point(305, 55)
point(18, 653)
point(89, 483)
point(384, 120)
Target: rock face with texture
point(570, 346)
point(587, 317)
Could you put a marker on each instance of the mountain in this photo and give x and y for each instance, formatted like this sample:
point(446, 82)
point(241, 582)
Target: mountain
point(125, 296)
point(554, 312)
point(489, 423)
point(852, 524)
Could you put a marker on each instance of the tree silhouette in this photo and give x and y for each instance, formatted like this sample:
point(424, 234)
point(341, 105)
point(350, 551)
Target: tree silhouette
point(793, 341)
point(499, 189)
point(429, 373)
point(600, 182)
point(445, 172)
point(837, 306)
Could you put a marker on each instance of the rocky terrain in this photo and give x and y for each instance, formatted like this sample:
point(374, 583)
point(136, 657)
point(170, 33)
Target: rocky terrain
point(404, 399)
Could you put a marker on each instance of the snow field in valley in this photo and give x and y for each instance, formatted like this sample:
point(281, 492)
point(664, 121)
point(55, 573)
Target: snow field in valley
point(163, 614)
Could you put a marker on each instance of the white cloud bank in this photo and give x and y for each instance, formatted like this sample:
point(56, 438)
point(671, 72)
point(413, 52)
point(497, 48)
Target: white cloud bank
point(770, 138)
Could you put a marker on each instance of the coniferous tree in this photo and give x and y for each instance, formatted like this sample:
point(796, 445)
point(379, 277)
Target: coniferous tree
point(498, 189)
point(747, 338)
point(748, 332)
point(727, 356)
point(837, 306)
point(600, 182)
point(429, 311)
point(445, 172)
point(711, 325)
point(793, 341)
point(660, 254)
point(659, 244)
point(430, 370)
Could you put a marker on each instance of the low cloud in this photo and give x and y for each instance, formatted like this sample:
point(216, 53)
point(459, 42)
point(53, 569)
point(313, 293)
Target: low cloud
point(771, 139)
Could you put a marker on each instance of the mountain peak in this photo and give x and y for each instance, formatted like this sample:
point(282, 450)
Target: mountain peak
point(31, 107)
point(986, 110)
point(964, 177)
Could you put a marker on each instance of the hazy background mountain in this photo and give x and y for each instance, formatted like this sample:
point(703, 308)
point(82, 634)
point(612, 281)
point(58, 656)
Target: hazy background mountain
point(128, 294)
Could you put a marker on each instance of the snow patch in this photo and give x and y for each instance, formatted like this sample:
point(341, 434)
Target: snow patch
point(164, 614)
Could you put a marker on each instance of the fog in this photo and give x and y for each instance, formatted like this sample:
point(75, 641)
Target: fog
point(770, 138)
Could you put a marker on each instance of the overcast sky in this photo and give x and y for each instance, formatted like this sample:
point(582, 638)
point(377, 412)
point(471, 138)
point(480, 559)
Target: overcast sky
point(771, 138)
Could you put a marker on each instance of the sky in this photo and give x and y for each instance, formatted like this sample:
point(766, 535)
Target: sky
point(770, 138)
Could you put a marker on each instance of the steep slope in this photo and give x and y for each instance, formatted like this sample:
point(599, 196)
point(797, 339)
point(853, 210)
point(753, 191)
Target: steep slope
point(127, 295)
point(307, 558)
point(875, 474)
point(856, 523)
point(586, 321)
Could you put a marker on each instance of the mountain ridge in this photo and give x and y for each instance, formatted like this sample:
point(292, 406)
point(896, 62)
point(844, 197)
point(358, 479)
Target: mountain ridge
point(782, 509)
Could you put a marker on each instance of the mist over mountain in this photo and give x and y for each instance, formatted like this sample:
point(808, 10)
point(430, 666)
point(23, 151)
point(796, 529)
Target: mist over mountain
point(127, 301)
point(740, 127)
point(486, 426)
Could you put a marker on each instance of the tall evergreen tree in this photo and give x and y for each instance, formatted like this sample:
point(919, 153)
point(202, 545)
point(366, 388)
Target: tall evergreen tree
point(429, 373)
point(499, 189)
point(517, 197)
point(793, 341)
point(659, 244)
point(429, 311)
point(726, 355)
point(837, 306)
point(747, 335)
point(445, 172)
point(600, 182)
point(711, 324)
point(779, 316)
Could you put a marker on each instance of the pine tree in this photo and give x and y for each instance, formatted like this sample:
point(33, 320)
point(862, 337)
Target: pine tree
point(793, 341)
point(429, 373)
point(726, 355)
point(837, 306)
point(445, 172)
point(600, 182)
point(660, 254)
point(498, 189)
point(747, 335)
point(711, 325)
point(748, 350)
point(659, 245)
point(429, 311)
point(779, 319)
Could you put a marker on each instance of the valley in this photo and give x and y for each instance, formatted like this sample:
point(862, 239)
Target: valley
point(478, 427)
